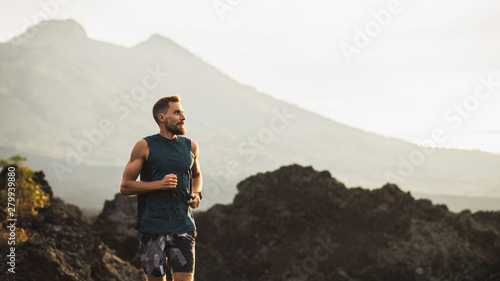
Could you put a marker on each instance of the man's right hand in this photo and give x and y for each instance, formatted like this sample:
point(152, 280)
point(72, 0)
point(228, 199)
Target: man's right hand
point(168, 182)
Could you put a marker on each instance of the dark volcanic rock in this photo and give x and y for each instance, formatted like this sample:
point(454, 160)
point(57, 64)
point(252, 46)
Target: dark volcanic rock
point(61, 246)
point(115, 225)
point(299, 223)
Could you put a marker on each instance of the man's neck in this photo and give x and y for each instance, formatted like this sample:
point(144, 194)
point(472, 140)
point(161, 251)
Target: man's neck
point(167, 134)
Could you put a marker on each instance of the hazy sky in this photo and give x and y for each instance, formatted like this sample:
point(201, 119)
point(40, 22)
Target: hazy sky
point(397, 68)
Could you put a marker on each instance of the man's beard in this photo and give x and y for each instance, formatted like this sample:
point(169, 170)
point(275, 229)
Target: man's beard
point(175, 129)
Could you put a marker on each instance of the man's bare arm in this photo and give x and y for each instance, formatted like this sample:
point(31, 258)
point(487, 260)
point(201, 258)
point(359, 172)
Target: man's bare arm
point(196, 177)
point(195, 170)
point(130, 185)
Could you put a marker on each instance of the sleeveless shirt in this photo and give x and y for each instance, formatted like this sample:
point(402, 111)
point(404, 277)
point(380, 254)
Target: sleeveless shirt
point(166, 211)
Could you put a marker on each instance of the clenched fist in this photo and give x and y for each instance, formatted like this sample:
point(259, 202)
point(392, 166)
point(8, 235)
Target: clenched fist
point(194, 201)
point(168, 182)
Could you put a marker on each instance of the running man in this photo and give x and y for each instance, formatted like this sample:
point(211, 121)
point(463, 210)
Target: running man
point(169, 189)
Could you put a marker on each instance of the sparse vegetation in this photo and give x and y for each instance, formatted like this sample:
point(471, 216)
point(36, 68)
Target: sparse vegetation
point(16, 160)
point(27, 194)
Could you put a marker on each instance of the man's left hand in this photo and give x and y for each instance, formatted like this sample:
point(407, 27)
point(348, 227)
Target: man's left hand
point(195, 200)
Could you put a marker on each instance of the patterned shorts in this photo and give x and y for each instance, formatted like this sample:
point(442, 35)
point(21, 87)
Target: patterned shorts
point(156, 250)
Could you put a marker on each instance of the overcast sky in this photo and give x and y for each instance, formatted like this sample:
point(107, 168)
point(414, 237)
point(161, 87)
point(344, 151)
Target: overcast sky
point(397, 68)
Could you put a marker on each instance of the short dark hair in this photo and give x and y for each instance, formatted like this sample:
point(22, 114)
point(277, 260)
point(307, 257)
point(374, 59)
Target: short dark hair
point(162, 106)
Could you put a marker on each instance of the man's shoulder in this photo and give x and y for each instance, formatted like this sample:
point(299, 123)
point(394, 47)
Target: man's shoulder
point(151, 138)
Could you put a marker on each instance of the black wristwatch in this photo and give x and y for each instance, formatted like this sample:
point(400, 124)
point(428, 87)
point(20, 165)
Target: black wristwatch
point(199, 194)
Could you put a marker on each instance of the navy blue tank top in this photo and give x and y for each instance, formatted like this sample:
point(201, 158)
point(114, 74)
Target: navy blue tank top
point(166, 211)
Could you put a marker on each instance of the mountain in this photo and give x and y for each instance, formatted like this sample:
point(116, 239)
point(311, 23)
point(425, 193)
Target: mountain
point(53, 240)
point(81, 104)
point(296, 223)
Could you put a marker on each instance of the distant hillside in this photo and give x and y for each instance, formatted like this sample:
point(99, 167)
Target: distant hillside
point(84, 103)
point(296, 223)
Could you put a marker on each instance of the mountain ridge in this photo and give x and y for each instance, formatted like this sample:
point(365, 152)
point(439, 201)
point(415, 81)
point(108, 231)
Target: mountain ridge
point(60, 94)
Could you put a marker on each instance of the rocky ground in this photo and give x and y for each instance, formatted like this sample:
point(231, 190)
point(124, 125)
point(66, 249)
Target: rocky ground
point(291, 224)
point(61, 246)
point(115, 225)
point(296, 224)
point(299, 224)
